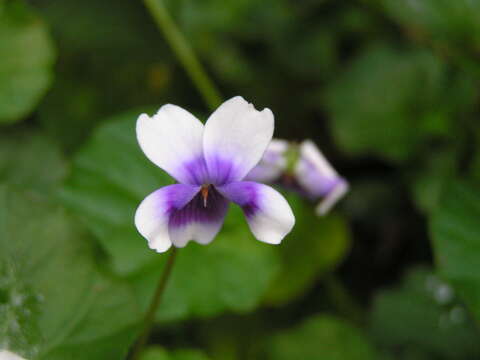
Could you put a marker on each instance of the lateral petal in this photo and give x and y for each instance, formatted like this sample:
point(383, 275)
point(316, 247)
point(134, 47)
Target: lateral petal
point(153, 214)
point(268, 214)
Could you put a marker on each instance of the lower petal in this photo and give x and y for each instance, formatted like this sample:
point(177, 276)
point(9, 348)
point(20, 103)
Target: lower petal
point(199, 220)
point(268, 214)
point(154, 212)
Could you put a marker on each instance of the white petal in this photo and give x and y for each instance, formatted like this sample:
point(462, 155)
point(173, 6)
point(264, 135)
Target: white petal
point(313, 172)
point(332, 197)
point(199, 232)
point(235, 138)
point(272, 164)
point(268, 214)
point(172, 139)
point(7, 355)
point(278, 146)
point(153, 214)
point(310, 152)
point(200, 220)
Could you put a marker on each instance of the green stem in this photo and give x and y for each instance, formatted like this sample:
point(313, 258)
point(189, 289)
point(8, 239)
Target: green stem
point(152, 310)
point(342, 299)
point(184, 53)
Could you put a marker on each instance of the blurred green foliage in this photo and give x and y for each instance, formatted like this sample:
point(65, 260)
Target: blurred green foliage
point(157, 353)
point(20, 166)
point(388, 90)
point(52, 288)
point(424, 315)
point(321, 336)
point(391, 103)
point(26, 61)
point(455, 229)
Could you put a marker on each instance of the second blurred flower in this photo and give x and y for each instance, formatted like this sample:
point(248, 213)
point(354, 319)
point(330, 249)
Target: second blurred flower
point(301, 167)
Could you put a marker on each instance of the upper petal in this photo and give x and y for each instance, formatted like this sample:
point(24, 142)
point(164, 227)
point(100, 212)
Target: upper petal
point(272, 164)
point(153, 214)
point(235, 138)
point(172, 139)
point(313, 172)
point(268, 214)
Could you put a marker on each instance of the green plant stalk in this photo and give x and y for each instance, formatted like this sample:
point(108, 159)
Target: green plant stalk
point(184, 53)
point(152, 309)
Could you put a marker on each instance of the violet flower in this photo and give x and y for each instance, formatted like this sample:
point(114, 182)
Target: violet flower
point(209, 162)
point(309, 173)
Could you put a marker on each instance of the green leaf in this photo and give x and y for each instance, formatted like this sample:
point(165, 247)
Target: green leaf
point(321, 337)
point(26, 62)
point(36, 164)
point(109, 179)
point(386, 103)
point(452, 26)
point(423, 316)
point(455, 230)
point(315, 246)
point(475, 165)
point(55, 303)
point(158, 353)
point(430, 176)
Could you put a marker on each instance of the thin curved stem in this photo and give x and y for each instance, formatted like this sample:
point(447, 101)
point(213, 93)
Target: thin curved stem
point(152, 309)
point(184, 52)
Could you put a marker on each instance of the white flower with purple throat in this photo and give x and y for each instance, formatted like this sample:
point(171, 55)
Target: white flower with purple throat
point(209, 162)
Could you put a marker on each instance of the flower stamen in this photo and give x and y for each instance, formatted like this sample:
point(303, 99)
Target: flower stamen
point(204, 192)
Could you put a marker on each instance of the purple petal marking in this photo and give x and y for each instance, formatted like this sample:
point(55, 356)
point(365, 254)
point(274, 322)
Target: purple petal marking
point(153, 213)
point(243, 193)
point(197, 211)
point(174, 197)
point(195, 171)
point(221, 170)
point(268, 214)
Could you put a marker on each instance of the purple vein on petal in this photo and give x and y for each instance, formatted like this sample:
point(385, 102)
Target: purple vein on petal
point(196, 171)
point(221, 170)
point(244, 194)
point(196, 211)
